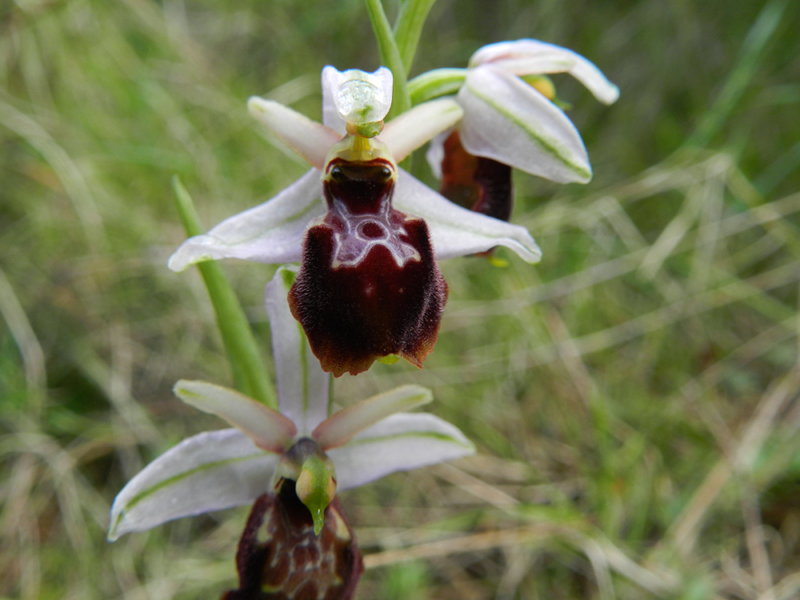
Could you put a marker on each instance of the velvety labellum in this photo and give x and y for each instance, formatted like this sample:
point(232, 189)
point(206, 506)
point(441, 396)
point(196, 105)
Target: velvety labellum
point(475, 182)
point(368, 285)
point(280, 557)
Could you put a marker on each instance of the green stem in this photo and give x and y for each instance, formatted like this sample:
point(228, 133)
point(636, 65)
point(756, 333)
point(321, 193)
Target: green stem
point(408, 27)
point(390, 57)
point(248, 368)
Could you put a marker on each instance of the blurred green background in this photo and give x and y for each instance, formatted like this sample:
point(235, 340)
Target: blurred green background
point(634, 398)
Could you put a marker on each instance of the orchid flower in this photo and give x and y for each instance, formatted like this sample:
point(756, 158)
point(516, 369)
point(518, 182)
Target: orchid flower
point(265, 448)
point(511, 120)
point(366, 231)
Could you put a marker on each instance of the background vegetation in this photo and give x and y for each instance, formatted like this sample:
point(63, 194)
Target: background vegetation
point(634, 397)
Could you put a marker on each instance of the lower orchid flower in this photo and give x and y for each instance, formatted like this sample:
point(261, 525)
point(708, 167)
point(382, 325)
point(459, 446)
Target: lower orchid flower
point(511, 119)
point(367, 233)
point(291, 463)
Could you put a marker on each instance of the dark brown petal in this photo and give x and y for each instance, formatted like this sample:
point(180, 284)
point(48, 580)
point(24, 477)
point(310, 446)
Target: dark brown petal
point(280, 558)
point(474, 182)
point(368, 286)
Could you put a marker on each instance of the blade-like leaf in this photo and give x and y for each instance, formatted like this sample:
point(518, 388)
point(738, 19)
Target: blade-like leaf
point(309, 139)
point(400, 442)
point(532, 57)
point(303, 393)
point(206, 472)
point(271, 232)
point(456, 231)
point(509, 121)
point(343, 425)
point(269, 429)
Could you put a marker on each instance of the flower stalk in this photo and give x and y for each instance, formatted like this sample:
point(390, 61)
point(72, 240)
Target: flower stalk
point(237, 336)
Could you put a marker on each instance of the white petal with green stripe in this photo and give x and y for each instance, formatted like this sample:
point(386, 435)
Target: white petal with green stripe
point(303, 387)
point(509, 121)
point(206, 472)
point(400, 442)
point(271, 232)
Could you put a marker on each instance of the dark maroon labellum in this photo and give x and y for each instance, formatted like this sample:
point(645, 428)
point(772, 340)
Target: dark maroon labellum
point(368, 285)
point(474, 182)
point(280, 557)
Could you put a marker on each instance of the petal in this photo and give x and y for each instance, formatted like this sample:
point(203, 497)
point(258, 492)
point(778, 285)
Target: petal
point(208, 471)
point(271, 232)
point(269, 429)
point(532, 57)
point(340, 427)
point(302, 385)
point(400, 442)
point(509, 121)
point(456, 231)
point(417, 126)
point(309, 139)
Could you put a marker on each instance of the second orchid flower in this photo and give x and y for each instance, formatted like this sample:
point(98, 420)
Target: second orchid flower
point(366, 232)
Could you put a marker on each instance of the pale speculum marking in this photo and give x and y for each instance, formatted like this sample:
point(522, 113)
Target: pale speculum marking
point(356, 235)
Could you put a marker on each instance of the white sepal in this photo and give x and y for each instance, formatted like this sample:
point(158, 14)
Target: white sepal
point(509, 121)
point(271, 232)
point(532, 57)
point(303, 387)
point(456, 231)
point(206, 472)
point(400, 442)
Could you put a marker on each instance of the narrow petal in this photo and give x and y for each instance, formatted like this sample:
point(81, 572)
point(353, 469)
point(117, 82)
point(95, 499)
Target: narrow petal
point(340, 427)
point(206, 472)
point(400, 442)
point(532, 57)
point(417, 126)
point(509, 121)
point(309, 139)
point(271, 232)
point(302, 385)
point(269, 429)
point(456, 231)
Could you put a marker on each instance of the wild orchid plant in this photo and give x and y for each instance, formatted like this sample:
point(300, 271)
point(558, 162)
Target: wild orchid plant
point(367, 235)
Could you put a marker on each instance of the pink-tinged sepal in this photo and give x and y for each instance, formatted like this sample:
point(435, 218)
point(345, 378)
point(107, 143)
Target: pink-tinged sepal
point(475, 182)
point(368, 286)
point(281, 558)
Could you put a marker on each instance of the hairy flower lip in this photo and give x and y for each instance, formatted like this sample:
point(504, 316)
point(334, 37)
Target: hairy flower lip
point(368, 285)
